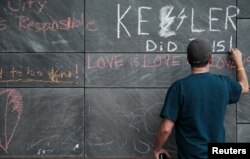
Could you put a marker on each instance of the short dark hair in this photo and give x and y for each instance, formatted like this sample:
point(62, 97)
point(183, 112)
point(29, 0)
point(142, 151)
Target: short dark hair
point(198, 52)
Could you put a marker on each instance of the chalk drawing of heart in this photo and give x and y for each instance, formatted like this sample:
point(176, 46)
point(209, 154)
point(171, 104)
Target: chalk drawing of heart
point(11, 107)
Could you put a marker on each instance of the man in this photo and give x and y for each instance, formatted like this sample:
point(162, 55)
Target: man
point(196, 104)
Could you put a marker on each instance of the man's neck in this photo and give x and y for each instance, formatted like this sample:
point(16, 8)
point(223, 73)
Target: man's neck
point(196, 70)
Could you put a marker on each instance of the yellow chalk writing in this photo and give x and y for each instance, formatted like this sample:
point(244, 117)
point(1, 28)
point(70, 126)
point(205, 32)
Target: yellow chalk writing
point(51, 75)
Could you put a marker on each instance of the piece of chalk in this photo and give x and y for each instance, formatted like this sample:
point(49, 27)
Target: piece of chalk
point(163, 156)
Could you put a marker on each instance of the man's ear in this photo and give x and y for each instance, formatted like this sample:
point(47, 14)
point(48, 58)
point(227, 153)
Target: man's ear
point(188, 60)
point(210, 60)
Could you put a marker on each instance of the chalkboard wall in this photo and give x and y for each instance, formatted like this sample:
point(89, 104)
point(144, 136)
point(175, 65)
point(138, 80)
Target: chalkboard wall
point(88, 78)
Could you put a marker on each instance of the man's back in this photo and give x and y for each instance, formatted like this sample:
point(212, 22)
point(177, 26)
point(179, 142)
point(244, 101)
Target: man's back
point(197, 105)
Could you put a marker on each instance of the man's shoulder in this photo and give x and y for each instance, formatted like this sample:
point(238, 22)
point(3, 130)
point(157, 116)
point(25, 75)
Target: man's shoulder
point(222, 77)
point(179, 83)
point(210, 76)
point(175, 84)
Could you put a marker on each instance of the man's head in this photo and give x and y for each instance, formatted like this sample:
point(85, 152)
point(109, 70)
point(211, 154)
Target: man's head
point(199, 52)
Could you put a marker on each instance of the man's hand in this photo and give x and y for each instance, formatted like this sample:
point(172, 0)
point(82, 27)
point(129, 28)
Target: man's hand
point(236, 57)
point(241, 76)
point(157, 153)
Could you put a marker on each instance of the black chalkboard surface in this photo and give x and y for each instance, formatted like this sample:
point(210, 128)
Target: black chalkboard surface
point(88, 78)
point(42, 25)
point(41, 122)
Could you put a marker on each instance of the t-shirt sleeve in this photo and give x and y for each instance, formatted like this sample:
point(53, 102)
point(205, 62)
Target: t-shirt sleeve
point(171, 105)
point(235, 90)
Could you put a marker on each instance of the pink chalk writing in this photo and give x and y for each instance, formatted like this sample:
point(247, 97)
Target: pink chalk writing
point(69, 23)
point(159, 60)
point(150, 61)
point(18, 9)
point(23, 5)
point(115, 61)
point(13, 108)
point(222, 62)
point(142, 61)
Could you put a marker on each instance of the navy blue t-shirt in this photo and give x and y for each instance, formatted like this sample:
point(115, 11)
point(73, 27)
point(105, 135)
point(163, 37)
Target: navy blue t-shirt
point(197, 105)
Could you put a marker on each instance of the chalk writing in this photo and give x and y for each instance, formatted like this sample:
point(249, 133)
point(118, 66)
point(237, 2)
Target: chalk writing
point(141, 144)
point(101, 144)
point(65, 24)
point(46, 139)
point(31, 75)
point(28, 23)
point(166, 21)
point(42, 152)
point(106, 61)
point(42, 146)
point(144, 120)
point(23, 5)
point(69, 23)
point(171, 46)
point(13, 108)
point(146, 61)
point(119, 21)
point(147, 116)
point(55, 75)
point(171, 24)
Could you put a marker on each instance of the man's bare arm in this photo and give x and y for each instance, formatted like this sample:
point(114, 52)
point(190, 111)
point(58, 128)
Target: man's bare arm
point(163, 134)
point(241, 76)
